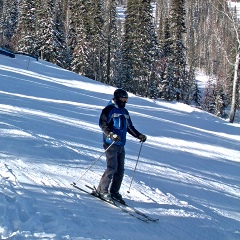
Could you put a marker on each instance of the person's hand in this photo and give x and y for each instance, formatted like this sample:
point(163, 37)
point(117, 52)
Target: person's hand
point(114, 137)
point(142, 138)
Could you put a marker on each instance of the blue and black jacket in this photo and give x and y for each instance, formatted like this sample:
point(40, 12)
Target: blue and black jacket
point(116, 120)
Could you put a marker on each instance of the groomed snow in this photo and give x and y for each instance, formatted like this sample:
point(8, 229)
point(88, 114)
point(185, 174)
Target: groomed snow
point(188, 173)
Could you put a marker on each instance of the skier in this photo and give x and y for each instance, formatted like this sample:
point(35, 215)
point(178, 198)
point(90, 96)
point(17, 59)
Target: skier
point(115, 122)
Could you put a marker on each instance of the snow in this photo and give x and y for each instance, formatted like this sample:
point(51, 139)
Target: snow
point(188, 174)
point(236, 6)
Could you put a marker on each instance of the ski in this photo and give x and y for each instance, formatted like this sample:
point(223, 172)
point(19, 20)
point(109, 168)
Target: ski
point(130, 208)
point(116, 204)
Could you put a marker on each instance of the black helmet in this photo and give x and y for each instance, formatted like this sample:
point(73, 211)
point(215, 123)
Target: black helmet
point(120, 93)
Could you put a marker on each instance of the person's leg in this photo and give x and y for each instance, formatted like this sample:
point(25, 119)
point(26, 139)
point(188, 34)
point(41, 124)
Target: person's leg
point(112, 165)
point(119, 173)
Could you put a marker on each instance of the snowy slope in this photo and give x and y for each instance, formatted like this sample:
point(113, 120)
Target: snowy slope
point(188, 173)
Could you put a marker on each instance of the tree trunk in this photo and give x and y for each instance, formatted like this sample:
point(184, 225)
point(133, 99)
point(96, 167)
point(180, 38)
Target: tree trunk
point(234, 90)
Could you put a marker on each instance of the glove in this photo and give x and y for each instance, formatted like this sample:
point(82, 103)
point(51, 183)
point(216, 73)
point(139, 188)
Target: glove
point(142, 138)
point(114, 137)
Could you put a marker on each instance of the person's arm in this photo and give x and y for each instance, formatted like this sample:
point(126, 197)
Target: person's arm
point(104, 120)
point(134, 132)
point(131, 129)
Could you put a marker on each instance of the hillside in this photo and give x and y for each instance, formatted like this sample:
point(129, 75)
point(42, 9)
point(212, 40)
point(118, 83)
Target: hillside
point(188, 173)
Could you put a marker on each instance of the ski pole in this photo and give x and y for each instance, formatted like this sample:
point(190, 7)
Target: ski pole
point(74, 183)
point(135, 167)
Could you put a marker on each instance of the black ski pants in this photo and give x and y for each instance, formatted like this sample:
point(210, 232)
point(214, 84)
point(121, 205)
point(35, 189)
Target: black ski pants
point(112, 177)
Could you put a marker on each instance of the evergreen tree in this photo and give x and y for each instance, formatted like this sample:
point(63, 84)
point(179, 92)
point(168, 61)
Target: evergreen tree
point(8, 22)
point(48, 40)
point(96, 39)
point(214, 98)
point(166, 87)
point(167, 41)
point(112, 43)
point(62, 50)
point(79, 12)
point(1, 22)
point(26, 36)
point(178, 28)
point(209, 96)
point(196, 94)
point(69, 30)
point(220, 100)
point(167, 79)
point(89, 50)
point(1, 8)
point(140, 49)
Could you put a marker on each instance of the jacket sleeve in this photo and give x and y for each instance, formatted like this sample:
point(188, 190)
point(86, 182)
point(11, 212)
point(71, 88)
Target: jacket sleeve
point(131, 129)
point(104, 120)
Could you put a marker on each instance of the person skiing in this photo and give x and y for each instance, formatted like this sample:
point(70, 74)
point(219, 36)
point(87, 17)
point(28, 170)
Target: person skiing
point(115, 122)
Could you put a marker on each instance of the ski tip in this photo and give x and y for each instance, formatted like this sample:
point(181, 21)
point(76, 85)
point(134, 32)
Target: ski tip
point(73, 183)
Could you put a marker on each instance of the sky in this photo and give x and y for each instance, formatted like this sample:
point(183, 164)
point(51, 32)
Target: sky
point(188, 173)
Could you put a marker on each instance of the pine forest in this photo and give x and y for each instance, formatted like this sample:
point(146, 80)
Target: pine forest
point(150, 48)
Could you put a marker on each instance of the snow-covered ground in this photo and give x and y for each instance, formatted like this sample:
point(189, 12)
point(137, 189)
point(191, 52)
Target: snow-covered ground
point(188, 173)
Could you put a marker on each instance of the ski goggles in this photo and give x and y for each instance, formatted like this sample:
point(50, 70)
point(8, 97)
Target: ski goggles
point(124, 99)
